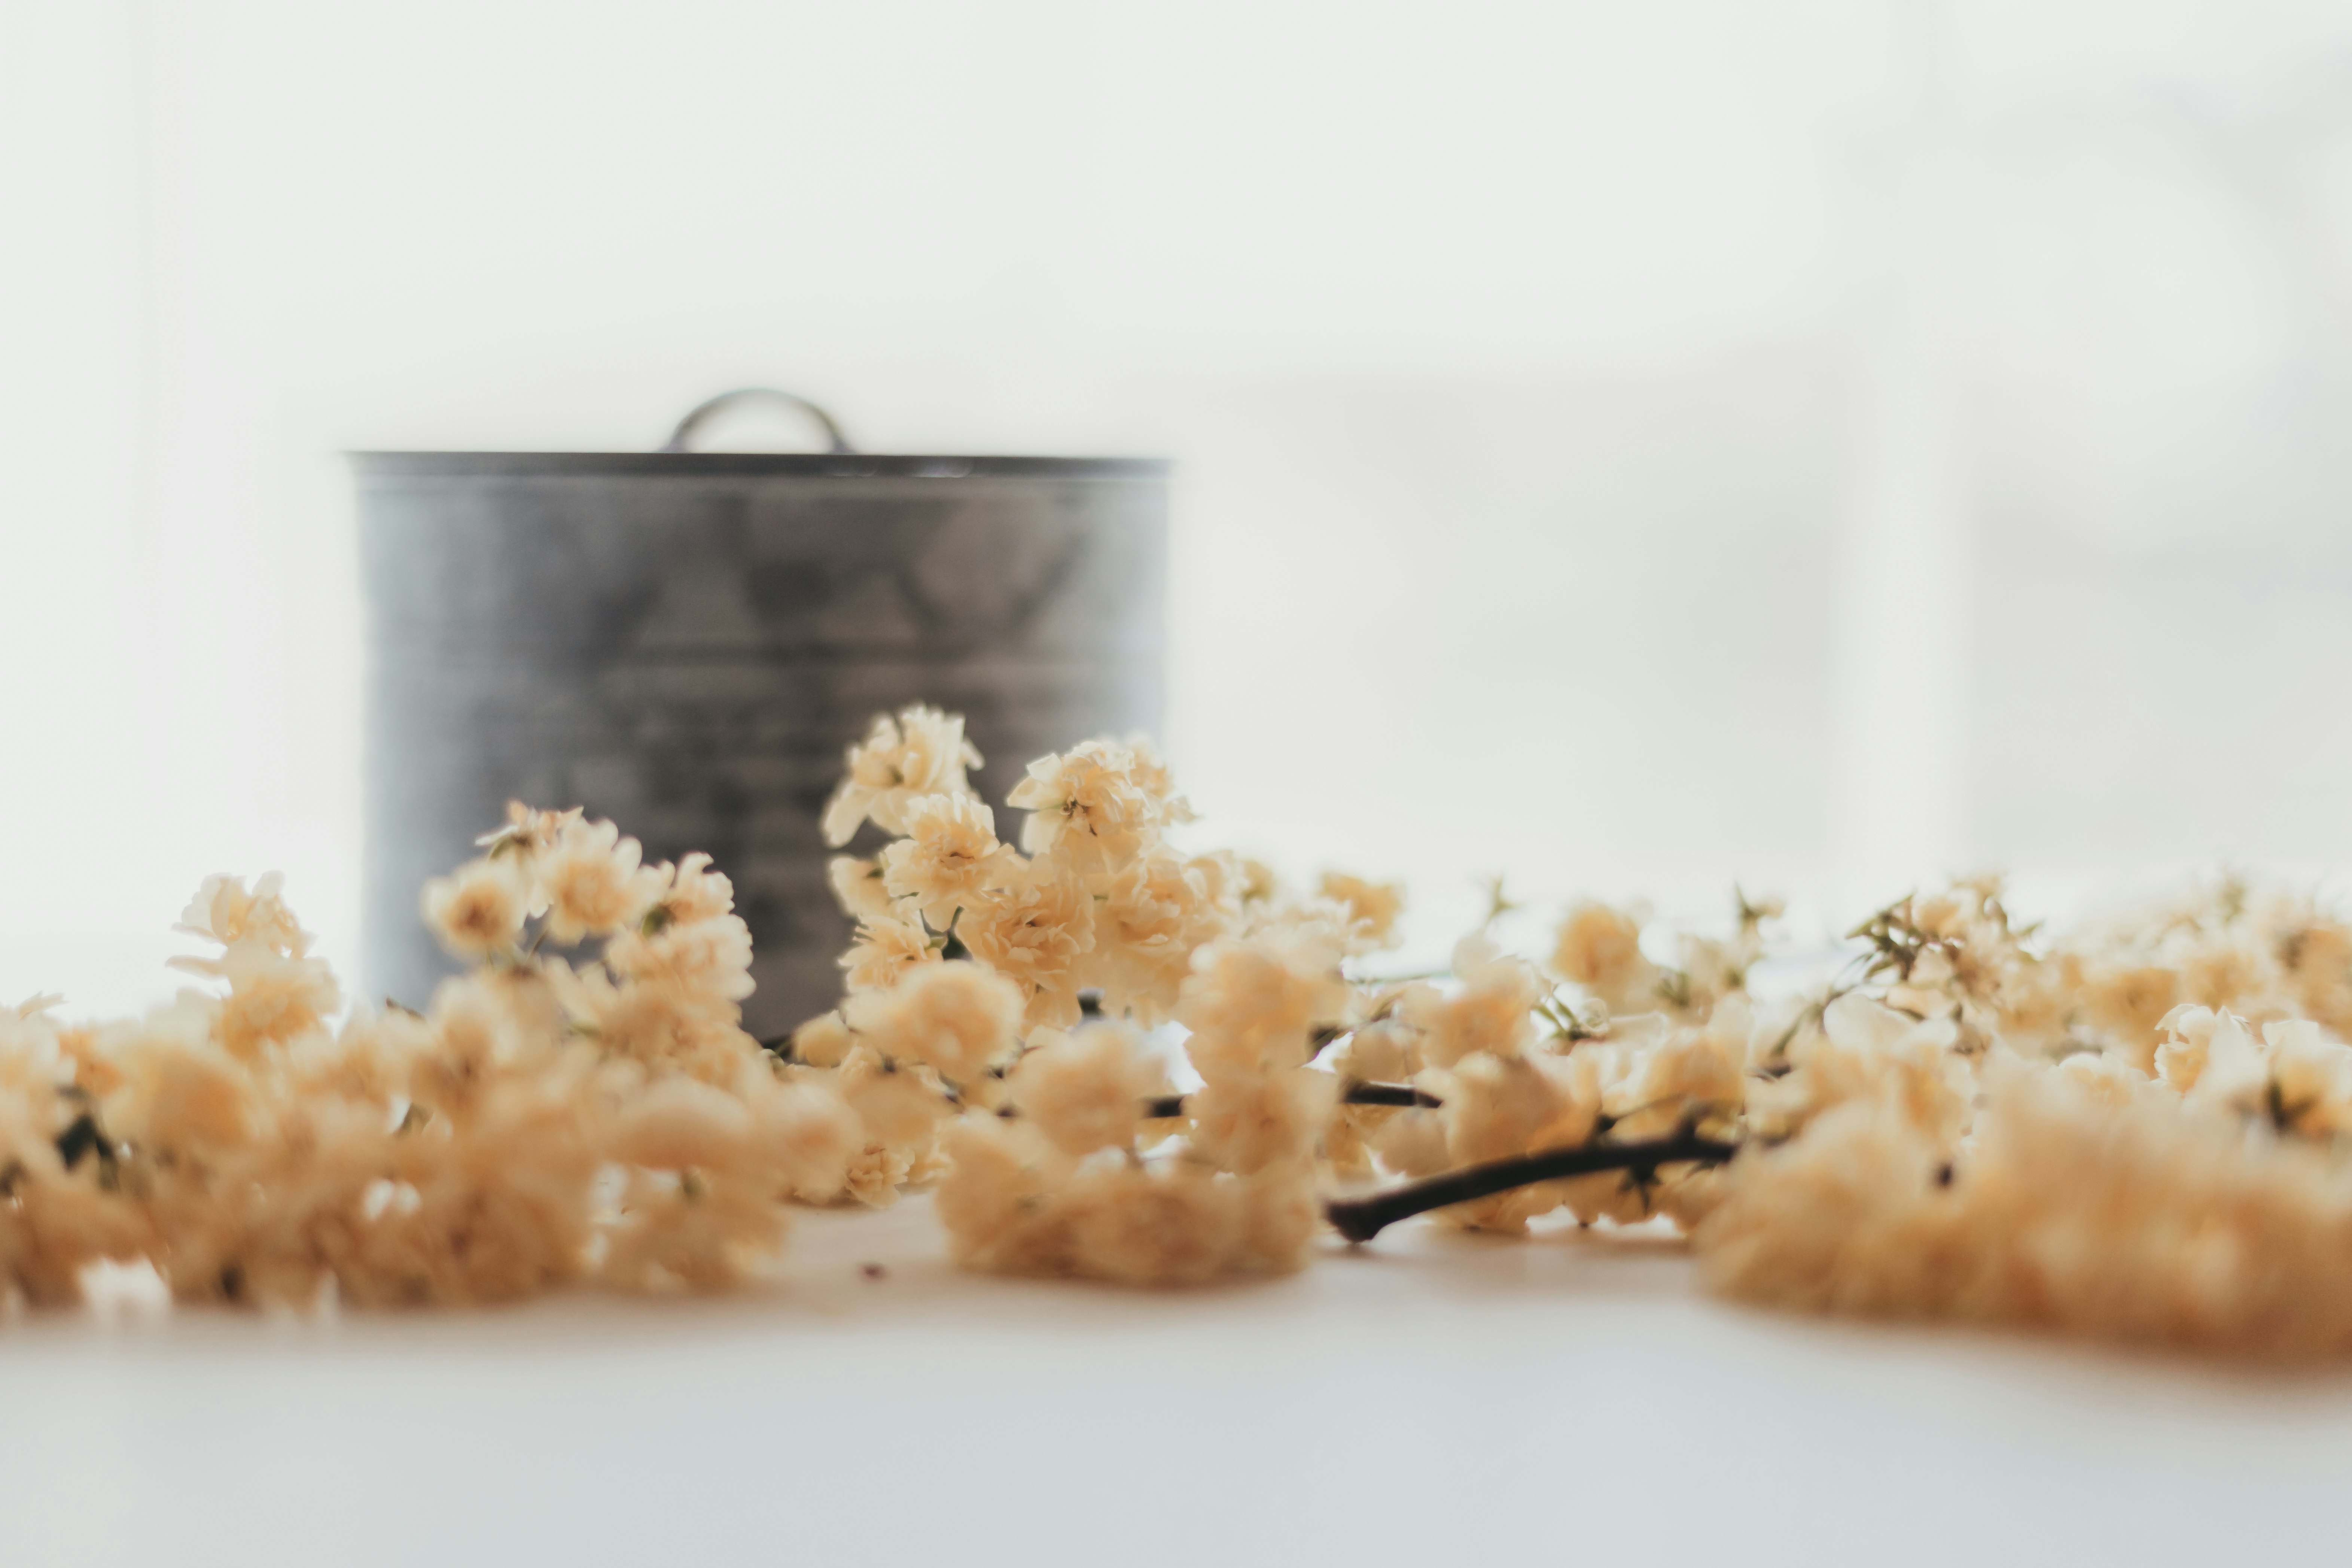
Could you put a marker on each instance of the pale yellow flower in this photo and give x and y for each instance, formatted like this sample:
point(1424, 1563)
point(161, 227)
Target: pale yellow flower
point(225, 912)
point(1166, 1226)
point(957, 1018)
point(1253, 1004)
point(592, 883)
point(689, 892)
point(823, 1041)
point(528, 831)
point(2130, 1005)
point(997, 1201)
point(1245, 1123)
point(1490, 1010)
point(920, 751)
point(2209, 1053)
point(1373, 907)
point(2310, 1085)
point(708, 957)
point(1150, 920)
point(1601, 950)
point(886, 950)
point(1094, 807)
point(948, 858)
point(857, 888)
point(1085, 1091)
point(1497, 1107)
point(273, 999)
point(1035, 932)
point(180, 1090)
point(477, 911)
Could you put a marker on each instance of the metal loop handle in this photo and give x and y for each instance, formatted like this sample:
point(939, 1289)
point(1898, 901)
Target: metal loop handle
point(681, 439)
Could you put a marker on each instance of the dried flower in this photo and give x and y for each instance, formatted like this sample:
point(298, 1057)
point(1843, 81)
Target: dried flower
point(592, 883)
point(1601, 950)
point(1085, 1091)
point(949, 858)
point(957, 1018)
point(1034, 931)
point(919, 752)
point(477, 911)
point(886, 950)
point(1096, 807)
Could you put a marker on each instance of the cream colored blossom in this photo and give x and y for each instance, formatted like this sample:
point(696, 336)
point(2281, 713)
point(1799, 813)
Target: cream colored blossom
point(1384, 1051)
point(2209, 1053)
point(886, 950)
point(949, 858)
point(1695, 1079)
point(957, 1018)
point(709, 957)
point(807, 1133)
point(528, 831)
point(665, 1026)
point(1171, 1226)
point(2156, 1220)
point(1094, 807)
point(252, 1155)
point(2130, 1004)
point(274, 999)
point(1491, 1011)
point(1087, 1091)
point(1244, 1124)
point(1035, 932)
point(592, 883)
point(1373, 907)
point(2309, 1090)
point(1497, 1107)
point(687, 893)
point(1601, 950)
point(225, 912)
point(179, 1089)
point(920, 751)
point(823, 1041)
point(997, 1201)
point(680, 1124)
point(478, 909)
point(1151, 918)
point(1869, 1052)
point(857, 888)
point(1253, 1005)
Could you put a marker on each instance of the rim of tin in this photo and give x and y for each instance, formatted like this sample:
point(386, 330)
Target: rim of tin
point(367, 466)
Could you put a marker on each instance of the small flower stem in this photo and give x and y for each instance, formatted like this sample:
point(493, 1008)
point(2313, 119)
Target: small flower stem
point(1360, 1219)
point(1159, 1108)
point(1388, 1094)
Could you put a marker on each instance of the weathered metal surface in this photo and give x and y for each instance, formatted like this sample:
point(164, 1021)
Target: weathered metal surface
point(685, 643)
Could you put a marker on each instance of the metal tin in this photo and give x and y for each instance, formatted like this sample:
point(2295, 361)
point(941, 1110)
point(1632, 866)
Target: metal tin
point(685, 642)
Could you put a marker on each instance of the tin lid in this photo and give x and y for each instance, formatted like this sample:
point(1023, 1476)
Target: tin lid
point(677, 457)
point(379, 466)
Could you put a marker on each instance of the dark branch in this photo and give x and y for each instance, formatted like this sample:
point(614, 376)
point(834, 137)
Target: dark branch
point(1360, 1219)
point(1389, 1094)
point(1160, 1107)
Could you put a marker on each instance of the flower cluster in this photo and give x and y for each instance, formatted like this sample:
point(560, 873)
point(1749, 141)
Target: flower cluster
point(1120, 1060)
point(540, 1124)
point(1918, 1136)
point(1048, 1096)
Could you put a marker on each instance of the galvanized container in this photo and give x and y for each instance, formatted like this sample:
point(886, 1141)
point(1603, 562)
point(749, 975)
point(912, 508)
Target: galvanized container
point(685, 642)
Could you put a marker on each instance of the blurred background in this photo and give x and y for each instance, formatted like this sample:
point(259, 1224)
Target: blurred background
point(1824, 444)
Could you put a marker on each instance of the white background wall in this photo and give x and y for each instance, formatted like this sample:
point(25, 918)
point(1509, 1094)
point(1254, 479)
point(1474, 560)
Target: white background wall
point(1634, 445)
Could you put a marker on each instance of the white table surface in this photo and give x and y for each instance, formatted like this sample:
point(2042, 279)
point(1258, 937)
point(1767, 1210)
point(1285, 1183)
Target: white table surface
point(1431, 1400)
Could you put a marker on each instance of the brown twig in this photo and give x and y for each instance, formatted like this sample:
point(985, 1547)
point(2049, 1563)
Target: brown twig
point(1360, 1219)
